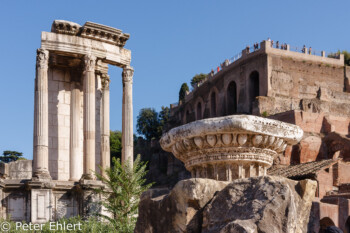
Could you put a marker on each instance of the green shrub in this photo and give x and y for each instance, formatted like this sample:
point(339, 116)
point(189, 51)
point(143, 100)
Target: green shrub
point(122, 196)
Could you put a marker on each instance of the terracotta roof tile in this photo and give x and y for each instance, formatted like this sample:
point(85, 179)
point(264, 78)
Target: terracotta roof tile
point(303, 170)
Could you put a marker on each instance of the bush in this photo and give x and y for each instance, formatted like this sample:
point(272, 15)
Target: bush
point(197, 79)
point(122, 196)
point(346, 56)
point(182, 93)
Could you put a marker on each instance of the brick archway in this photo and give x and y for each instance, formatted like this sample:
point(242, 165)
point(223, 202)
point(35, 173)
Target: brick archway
point(324, 223)
point(347, 226)
point(231, 97)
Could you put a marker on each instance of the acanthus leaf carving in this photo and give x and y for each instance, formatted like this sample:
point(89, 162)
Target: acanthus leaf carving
point(105, 80)
point(89, 63)
point(42, 59)
point(127, 74)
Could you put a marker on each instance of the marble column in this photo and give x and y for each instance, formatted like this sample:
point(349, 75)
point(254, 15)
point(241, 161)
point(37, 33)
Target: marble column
point(105, 148)
point(89, 116)
point(76, 158)
point(127, 117)
point(41, 115)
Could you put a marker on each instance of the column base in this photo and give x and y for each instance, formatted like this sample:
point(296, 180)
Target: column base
point(41, 176)
point(87, 177)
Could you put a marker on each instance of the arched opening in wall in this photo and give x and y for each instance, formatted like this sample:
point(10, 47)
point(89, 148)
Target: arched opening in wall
point(231, 98)
point(253, 90)
point(187, 117)
point(324, 223)
point(199, 111)
point(347, 226)
point(213, 104)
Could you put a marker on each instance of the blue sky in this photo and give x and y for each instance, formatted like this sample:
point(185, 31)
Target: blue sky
point(170, 41)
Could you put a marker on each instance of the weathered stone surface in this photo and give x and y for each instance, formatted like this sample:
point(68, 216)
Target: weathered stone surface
point(260, 204)
point(176, 211)
point(273, 204)
point(231, 147)
point(21, 169)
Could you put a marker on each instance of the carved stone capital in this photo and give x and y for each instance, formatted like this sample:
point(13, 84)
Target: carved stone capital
point(105, 80)
point(89, 63)
point(228, 143)
point(128, 73)
point(42, 59)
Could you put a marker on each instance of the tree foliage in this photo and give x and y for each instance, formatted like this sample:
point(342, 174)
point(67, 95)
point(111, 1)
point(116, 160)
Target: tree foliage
point(10, 156)
point(115, 142)
point(182, 93)
point(197, 79)
point(164, 118)
point(121, 199)
point(346, 56)
point(151, 124)
point(148, 123)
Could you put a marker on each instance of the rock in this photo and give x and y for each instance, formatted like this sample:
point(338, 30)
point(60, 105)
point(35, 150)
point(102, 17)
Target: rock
point(272, 204)
point(177, 211)
point(260, 204)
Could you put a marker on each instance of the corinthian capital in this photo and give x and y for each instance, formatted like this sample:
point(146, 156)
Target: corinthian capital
point(42, 59)
point(128, 73)
point(105, 80)
point(89, 62)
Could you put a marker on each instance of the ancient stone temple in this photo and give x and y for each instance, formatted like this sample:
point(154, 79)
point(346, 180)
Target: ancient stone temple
point(232, 147)
point(71, 123)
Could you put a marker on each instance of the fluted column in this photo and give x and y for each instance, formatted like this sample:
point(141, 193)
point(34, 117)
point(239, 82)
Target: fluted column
point(76, 157)
point(89, 116)
point(127, 117)
point(105, 148)
point(41, 114)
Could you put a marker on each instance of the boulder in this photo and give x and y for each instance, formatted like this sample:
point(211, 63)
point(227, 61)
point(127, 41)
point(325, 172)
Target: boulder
point(251, 205)
point(176, 211)
point(261, 204)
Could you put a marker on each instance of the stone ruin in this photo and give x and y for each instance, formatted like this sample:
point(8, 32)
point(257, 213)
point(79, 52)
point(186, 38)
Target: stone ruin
point(71, 124)
point(229, 190)
point(231, 147)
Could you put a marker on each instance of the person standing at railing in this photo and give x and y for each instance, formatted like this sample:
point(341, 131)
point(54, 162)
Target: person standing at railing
point(256, 46)
point(212, 72)
point(272, 43)
point(247, 49)
point(218, 68)
point(278, 45)
point(304, 49)
point(310, 50)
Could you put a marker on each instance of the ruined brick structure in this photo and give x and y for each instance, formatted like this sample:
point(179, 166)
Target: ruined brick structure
point(310, 91)
point(71, 124)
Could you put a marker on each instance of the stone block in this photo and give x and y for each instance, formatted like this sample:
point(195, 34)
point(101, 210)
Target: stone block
point(67, 77)
point(66, 86)
point(67, 95)
point(17, 207)
point(58, 75)
point(53, 86)
point(53, 109)
point(60, 120)
point(53, 153)
point(64, 109)
point(67, 121)
point(41, 206)
point(21, 169)
point(64, 132)
point(60, 97)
